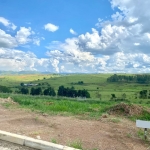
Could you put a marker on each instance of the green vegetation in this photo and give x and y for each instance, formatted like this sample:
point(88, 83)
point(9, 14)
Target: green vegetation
point(129, 135)
point(144, 78)
point(71, 92)
point(115, 120)
point(95, 84)
point(24, 91)
point(54, 141)
point(4, 89)
point(76, 144)
point(62, 106)
point(63, 94)
point(140, 133)
point(49, 91)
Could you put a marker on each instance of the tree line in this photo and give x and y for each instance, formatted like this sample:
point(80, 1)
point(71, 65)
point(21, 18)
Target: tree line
point(71, 92)
point(38, 91)
point(62, 91)
point(145, 78)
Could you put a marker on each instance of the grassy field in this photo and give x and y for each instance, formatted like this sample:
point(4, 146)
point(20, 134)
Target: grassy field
point(62, 106)
point(84, 109)
point(94, 83)
point(90, 108)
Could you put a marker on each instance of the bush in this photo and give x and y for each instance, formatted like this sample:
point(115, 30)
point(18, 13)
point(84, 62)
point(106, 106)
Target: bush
point(24, 91)
point(36, 91)
point(49, 91)
point(4, 89)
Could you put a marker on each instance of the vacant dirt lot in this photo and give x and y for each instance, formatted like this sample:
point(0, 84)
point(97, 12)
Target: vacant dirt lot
point(108, 133)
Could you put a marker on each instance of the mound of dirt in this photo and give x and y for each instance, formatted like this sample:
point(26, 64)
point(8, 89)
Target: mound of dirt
point(126, 109)
point(7, 100)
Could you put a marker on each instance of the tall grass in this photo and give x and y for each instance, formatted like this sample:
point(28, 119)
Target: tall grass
point(50, 105)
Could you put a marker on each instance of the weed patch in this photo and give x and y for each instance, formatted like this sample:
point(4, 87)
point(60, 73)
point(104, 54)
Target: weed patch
point(115, 120)
point(76, 144)
point(54, 140)
point(88, 109)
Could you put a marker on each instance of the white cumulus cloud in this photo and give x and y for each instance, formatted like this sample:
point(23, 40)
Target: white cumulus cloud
point(118, 45)
point(23, 35)
point(17, 60)
point(7, 40)
point(51, 27)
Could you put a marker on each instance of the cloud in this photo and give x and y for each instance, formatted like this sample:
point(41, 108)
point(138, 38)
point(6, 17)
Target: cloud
point(119, 62)
point(72, 32)
point(51, 27)
point(13, 26)
point(136, 44)
point(17, 60)
point(105, 42)
point(23, 35)
point(84, 62)
point(6, 23)
point(121, 34)
point(36, 41)
point(7, 40)
point(120, 44)
point(74, 61)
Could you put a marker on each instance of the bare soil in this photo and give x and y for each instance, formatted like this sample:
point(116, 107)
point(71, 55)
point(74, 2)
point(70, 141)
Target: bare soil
point(107, 133)
point(126, 109)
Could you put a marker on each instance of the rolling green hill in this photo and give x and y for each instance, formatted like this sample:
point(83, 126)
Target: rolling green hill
point(96, 84)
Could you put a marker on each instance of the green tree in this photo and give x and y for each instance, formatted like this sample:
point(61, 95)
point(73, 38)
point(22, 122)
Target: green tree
point(143, 94)
point(113, 96)
point(24, 91)
point(22, 84)
point(36, 91)
point(61, 91)
point(5, 89)
point(49, 91)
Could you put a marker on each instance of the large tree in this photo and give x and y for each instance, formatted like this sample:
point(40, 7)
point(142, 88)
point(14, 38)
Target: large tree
point(49, 91)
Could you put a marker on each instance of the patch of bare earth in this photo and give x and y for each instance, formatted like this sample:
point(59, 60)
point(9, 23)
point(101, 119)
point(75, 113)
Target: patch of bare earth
point(126, 109)
point(104, 134)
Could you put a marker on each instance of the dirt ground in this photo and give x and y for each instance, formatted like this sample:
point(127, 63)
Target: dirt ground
point(108, 133)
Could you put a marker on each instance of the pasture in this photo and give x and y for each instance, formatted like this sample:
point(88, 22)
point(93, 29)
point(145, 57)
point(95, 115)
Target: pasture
point(96, 84)
point(100, 90)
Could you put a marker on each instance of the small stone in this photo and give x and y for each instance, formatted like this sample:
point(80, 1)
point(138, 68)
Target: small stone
point(104, 116)
point(45, 114)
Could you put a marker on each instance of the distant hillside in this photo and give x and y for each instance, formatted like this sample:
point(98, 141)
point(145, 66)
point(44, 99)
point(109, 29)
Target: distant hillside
point(19, 72)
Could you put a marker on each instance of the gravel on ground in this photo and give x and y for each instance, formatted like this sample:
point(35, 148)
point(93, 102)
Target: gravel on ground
point(11, 146)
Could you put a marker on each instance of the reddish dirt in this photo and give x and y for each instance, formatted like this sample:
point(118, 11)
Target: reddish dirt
point(126, 109)
point(105, 134)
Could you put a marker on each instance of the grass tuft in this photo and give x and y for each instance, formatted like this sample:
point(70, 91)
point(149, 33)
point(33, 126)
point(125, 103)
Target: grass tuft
point(76, 144)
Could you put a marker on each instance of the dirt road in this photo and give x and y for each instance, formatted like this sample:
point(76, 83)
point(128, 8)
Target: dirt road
point(107, 133)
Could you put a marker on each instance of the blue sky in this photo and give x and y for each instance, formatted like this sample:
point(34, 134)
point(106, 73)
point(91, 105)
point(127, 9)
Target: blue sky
point(85, 36)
